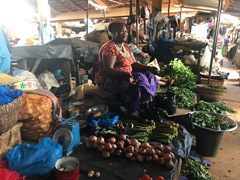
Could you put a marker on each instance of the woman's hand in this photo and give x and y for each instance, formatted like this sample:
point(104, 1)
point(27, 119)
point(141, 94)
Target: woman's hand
point(132, 80)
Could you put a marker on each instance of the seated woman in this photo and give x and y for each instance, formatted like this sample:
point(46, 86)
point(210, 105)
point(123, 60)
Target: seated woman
point(119, 72)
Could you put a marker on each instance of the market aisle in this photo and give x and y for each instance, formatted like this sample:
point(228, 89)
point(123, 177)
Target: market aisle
point(232, 97)
point(226, 164)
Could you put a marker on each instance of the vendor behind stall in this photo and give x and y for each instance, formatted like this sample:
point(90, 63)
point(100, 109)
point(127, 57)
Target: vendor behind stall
point(162, 49)
point(119, 72)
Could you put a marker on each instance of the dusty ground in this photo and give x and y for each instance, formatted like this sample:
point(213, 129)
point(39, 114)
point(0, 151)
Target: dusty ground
point(227, 162)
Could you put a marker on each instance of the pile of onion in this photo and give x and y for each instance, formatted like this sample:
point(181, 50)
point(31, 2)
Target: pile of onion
point(132, 149)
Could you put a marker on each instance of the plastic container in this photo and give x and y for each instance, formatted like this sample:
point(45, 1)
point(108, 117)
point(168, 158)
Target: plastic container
point(67, 168)
point(208, 140)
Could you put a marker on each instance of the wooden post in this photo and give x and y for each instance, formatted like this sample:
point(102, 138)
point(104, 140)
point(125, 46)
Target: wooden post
point(144, 25)
point(180, 25)
point(87, 16)
point(37, 62)
point(130, 13)
point(23, 64)
point(59, 28)
point(168, 8)
point(137, 15)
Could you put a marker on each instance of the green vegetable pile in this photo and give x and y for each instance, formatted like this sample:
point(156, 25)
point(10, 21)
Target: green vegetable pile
point(183, 96)
point(195, 170)
point(185, 77)
point(206, 120)
point(219, 108)
point(183, 85)
point(215, 86)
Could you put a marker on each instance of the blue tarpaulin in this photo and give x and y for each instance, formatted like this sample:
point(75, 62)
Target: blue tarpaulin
point(5, 57)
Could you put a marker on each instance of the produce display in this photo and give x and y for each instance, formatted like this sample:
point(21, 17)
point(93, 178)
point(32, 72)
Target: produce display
point(215, 86)
point(147, 177)
point(206, 120)
point(193, 169)
point(183, 96)
point(132, 149)
point(165, 132)
point(36, 114)
point(184, 83)
point(185, 77)
point(219, 108)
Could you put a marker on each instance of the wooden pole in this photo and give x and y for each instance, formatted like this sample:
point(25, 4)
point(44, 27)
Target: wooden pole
point(130, 13)
point(137, 15)
point(87, 16)
point(169, 1)
point(220, 2)
point(180, 26)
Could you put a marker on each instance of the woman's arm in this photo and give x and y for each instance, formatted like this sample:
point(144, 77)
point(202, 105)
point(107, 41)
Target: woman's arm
point(108, 65)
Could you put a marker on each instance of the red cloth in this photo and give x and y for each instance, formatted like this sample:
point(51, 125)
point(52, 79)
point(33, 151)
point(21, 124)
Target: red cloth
point(6, 174)
point(122, 63)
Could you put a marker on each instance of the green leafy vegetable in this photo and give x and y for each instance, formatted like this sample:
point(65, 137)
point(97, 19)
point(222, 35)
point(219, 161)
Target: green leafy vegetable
point(195, 170)
point(215, 86)
point(206, 120)
point(185, 77)
point(219, 108)
point(183, 96)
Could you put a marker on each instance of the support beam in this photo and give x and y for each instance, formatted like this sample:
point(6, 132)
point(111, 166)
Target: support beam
point(130, 13)
point(137, 18)
point(100, 2)
point(87, 15)
point(220, 3)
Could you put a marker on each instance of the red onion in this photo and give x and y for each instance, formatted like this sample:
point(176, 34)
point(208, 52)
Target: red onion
point(97, 174)
point(173, 156)
point(94, 145)
point(142, 151)
point(113, 151)
point(108, 147)
point(100, 140)
point(157, 152)
point(158, 146)
point(88, 144)
point(120, 144)
point(148, 158)
point(130, 149)
point(162, 161)
point(150, 151)
point(92, 139)
point(145, 145)
point(134, 142)
point(112, 140)
point(167, 157)
point(155, 157)
point(140, 158)
point(105, 154)
point(122, 137)
point(129, 155)
point(169, 165)
point(167, 149)
point(119, 152)
point(127, 142)
point(124, 150)
point(100, 147)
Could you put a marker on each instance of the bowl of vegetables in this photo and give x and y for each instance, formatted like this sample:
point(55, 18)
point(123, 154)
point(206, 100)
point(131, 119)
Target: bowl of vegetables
point(214, 108)
point(209, 131)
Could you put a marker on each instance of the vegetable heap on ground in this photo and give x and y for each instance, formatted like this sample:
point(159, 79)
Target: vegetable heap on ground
point(206, 120)
point(219, 108)
point(183, 85)
point(132, 149)
point(195, 170)
point(147, 177)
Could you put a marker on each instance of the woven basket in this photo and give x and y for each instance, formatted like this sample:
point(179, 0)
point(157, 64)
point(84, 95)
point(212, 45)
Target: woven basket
point(9, 115)
point(210, 93)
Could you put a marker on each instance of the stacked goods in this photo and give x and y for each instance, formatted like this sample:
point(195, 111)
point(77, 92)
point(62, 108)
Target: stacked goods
point(165, 132)
point(142, 132)
point(132, 149)
point(36, 114)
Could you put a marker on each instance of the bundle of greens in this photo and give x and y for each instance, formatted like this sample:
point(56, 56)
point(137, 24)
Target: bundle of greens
point(219, 108)
point(185, 77)
point(206, 120)
point(215, 86)
point(195, 170)
point(184, 96)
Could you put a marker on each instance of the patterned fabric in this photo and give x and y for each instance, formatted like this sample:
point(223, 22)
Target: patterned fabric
point(122, 63)
point(133, 95)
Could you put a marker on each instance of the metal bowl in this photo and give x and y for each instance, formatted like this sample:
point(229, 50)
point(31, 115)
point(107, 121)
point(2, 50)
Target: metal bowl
point(82, 123)
point(102, 110)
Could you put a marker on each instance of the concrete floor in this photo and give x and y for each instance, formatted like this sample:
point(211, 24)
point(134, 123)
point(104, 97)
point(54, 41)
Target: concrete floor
point(227, 162)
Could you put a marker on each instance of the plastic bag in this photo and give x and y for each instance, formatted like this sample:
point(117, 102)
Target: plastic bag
point(166, 101)
point(39, 159)
point(7, 96)
point(107, 121)
point(47, 80)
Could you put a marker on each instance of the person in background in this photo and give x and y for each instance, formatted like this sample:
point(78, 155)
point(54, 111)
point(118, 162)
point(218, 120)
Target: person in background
point(225, 46)
point(119, 72)
point(138, 54)
point(162, 49)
